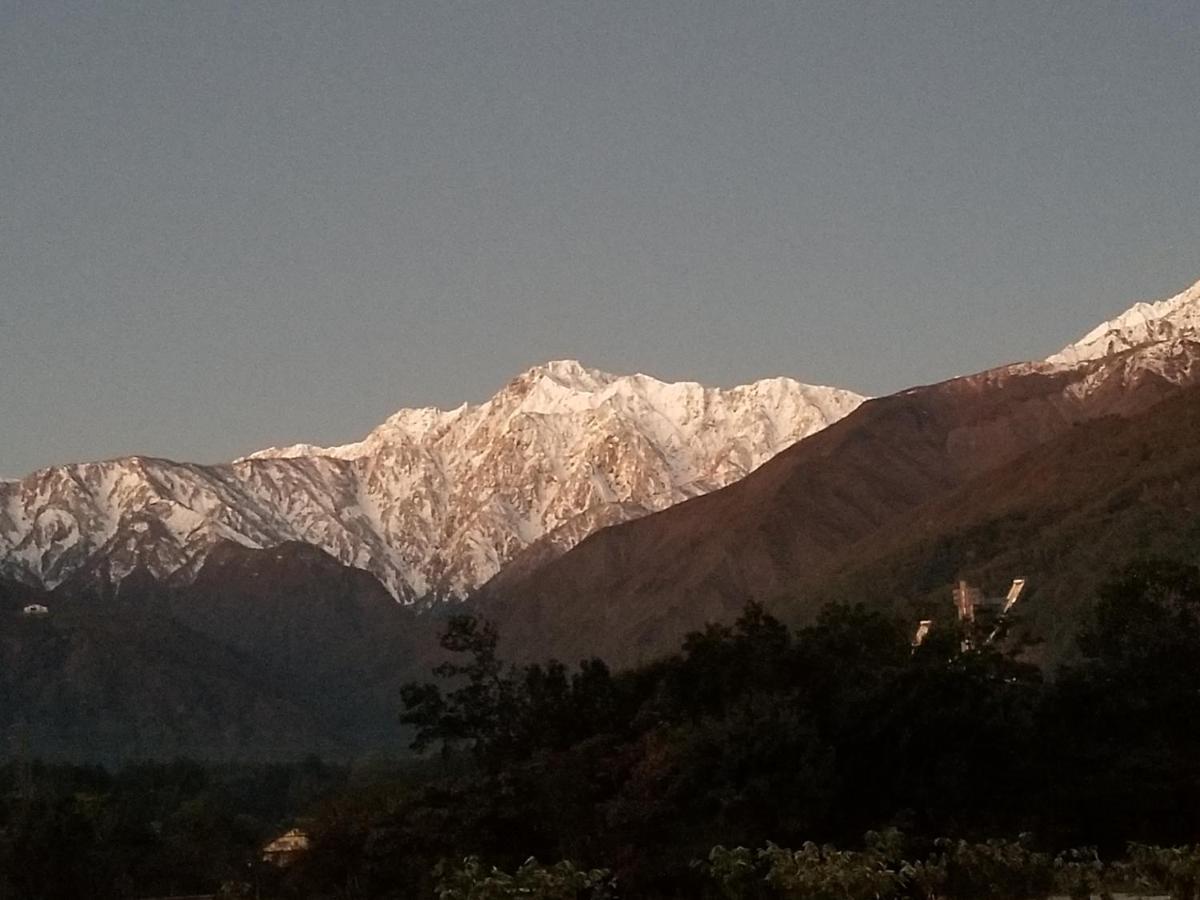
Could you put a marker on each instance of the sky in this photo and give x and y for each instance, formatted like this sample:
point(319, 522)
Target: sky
point(225, 226)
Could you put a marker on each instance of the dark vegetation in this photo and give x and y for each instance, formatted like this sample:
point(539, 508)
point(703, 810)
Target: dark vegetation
point(75, 832)
point(750, 734)
point(756, 733)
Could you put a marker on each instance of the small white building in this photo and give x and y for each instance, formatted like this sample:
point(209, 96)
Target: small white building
point(284, 850)
point(36, 609)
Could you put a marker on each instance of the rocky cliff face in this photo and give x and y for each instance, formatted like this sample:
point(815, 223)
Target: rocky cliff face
point(432, 502)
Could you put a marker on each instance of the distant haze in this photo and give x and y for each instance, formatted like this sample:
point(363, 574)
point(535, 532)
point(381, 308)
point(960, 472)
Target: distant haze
point(229, 226)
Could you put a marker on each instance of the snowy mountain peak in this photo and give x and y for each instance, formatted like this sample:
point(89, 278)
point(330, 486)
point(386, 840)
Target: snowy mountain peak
point(1139, 326)
point(432, 501)
point(569, 373)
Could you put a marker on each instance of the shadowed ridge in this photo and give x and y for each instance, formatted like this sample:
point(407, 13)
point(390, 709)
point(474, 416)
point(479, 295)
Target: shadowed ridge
point(631, 591)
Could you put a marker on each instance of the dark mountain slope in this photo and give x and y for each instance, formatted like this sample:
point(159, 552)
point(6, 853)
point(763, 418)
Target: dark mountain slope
point(1065, 515)
point(317, 630)
point(630, 592)
point(127, 681)
point(267, 655)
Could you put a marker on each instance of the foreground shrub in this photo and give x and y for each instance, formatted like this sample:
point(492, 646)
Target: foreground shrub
point(1175, 870)
point(995, 870)
point(814, 872)
point(826, 873)
point(960, 870)
point(1081, 875)
point(562, 881)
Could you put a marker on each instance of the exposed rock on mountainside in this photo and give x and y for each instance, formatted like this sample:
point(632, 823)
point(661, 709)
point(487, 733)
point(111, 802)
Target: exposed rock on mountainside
point(432, 502)
point(631, 591)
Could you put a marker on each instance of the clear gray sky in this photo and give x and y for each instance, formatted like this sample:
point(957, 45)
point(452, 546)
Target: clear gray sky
point(229, 225)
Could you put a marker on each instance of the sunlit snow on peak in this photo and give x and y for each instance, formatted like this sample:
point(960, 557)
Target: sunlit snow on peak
point(431, 501)
point(1140, 325)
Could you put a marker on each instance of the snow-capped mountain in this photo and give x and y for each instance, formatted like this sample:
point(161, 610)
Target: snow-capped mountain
point(1141, 325)
point(1159, 339)
point(432, 502)
point(959, 476)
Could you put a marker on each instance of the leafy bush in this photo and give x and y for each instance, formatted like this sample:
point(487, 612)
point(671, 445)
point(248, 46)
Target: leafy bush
point(814, 872)
point(825, 873)
point(737, 872)
point(563, 881)
point(995, 870)
point(925, 879)
point(1080, 874)
point(1173, 869)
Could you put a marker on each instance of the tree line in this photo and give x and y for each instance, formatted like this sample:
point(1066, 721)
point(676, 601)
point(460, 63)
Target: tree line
point(756, 733)
point(654, 782)
point(883, 869)
point(70, 832)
